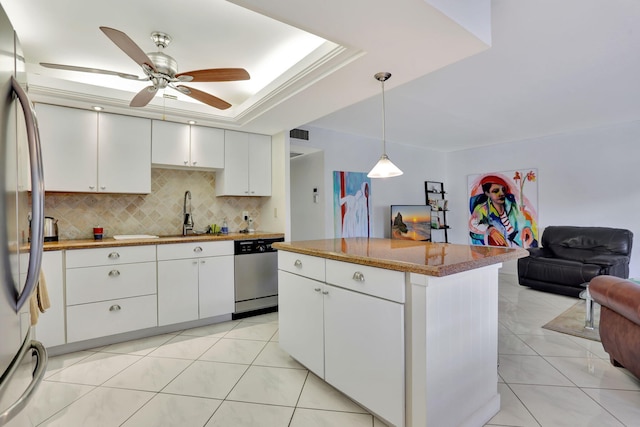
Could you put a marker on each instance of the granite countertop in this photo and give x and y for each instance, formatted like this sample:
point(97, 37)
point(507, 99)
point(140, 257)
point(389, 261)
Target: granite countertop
point(432, 259)
point(161, 240)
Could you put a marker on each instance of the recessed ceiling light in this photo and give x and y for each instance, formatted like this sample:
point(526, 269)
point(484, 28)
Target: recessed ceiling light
point(97, 108)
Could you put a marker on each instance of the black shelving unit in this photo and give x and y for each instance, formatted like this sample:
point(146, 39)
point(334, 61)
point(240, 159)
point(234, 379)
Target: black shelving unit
point(436, 198)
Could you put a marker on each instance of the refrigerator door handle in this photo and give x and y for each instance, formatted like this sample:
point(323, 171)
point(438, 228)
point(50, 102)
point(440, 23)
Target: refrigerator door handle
point(37, 196)
point(38, 374)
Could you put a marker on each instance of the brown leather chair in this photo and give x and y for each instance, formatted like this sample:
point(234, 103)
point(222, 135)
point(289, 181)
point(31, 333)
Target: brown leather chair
point(619, 319)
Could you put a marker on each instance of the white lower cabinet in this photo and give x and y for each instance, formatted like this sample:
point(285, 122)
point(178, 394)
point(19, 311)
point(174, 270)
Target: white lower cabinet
point(110, 291)
point(301, 319)
point(215, 286)
point(177, 291)
point(351, 339)
point(364, 350)
point(113, 290)
point(195, 281)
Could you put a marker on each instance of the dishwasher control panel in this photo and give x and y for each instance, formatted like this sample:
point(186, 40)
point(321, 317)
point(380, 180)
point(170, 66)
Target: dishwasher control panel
point(255, 246)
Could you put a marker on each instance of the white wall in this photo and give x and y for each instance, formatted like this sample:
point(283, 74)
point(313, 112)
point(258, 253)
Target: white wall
point(353, 153)
point(307, 215)
point(585, 178)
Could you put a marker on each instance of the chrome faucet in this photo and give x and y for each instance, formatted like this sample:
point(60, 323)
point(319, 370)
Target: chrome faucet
point(187, 225)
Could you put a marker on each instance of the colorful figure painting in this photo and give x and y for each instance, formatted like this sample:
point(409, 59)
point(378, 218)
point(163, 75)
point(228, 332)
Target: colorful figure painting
point(351, 204)
point(503, 208)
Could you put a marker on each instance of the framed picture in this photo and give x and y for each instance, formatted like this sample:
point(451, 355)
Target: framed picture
point(503, 208)
point(411, 222)
point(351, 204)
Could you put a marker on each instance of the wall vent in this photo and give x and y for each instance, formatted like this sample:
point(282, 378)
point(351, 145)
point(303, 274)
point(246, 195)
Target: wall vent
point(299, 134)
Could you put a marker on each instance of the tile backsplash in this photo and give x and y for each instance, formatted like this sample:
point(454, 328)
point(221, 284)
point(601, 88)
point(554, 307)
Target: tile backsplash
point(158, 213)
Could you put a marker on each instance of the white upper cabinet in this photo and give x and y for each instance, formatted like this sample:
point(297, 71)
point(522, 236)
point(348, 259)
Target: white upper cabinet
point(207, 147)
point(247, 165)
point(259, 165)
point(169, 143)
point(177, 144)
point(69, 141)
point(124, 150)
point(86, 151)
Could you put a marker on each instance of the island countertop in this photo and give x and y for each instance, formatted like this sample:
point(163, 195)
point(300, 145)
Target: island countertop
point(432, 259)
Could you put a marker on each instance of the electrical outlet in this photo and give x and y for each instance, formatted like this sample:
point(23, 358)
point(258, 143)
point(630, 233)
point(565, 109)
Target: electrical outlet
point(245, 215)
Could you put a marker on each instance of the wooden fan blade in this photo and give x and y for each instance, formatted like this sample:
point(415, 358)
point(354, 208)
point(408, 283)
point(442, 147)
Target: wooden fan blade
point(90, 70)
point(128, 46)
point(143, 97)
point(204, 97)
point(216, 75)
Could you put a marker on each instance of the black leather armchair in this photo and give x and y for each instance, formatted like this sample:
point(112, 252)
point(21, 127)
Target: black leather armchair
point(571, 256)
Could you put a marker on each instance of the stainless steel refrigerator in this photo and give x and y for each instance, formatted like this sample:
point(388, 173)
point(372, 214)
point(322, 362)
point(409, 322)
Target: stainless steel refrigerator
point(21, 179)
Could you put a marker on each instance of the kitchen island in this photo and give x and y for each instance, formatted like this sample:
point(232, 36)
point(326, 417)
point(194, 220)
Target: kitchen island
point(407, 329)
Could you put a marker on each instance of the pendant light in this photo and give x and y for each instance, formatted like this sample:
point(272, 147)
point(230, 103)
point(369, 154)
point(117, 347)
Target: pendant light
point(384, 168)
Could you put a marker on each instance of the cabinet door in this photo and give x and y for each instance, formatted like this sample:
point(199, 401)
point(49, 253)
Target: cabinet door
point(169, 143)
point(69, 139)
point(364, 350)
point(259, 165)
point(207, 147)
point(216, 291)
point(234, 180)
point(300, 315)
point(50, 327)
point(177, 291)
point(124, 154)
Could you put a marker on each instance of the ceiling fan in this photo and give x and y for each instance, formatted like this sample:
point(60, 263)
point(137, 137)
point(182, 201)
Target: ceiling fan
point(162, 71)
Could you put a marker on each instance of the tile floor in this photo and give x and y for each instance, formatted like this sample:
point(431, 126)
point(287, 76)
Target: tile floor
point(233, 374)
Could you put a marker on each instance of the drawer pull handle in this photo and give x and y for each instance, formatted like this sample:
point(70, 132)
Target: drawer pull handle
point(114, 273)
point(317, 289)
point(114, 255)
point(358, 276)
point(115, 307)
point(298, 263)
point(197, 249)
point(202, 262)
point(325, 292)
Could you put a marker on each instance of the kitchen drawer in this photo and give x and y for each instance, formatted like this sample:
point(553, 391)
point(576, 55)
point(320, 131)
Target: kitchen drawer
point(92, 284)
point(99, 319)
point(303, 265)
point(194, 250)
point(110, 256)
point(378, 282)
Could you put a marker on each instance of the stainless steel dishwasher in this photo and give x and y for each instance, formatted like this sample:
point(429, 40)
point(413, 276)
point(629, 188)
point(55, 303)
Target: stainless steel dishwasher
point(256, 275)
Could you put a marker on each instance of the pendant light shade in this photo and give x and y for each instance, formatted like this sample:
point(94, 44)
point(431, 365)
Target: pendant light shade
point(384, 168)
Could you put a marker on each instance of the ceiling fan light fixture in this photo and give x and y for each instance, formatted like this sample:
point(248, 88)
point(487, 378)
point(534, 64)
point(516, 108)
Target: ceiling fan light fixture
point(161, 40)
point(385, 167)
point(161, 70)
